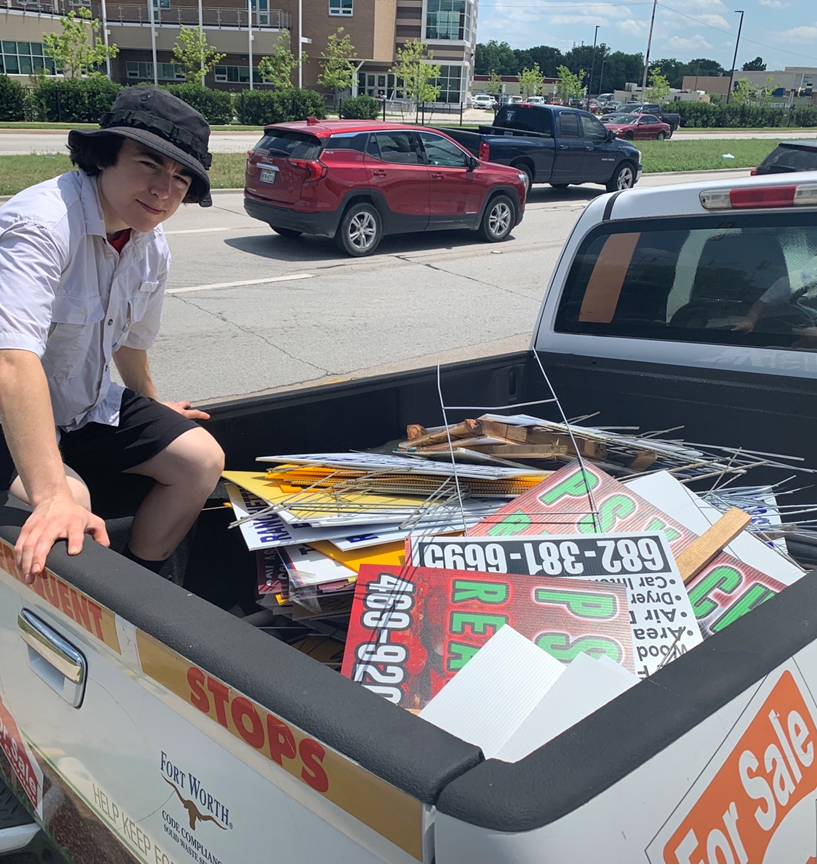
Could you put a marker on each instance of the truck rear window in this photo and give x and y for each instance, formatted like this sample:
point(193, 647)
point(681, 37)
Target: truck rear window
point(287, 142)
point(749, 281)
point(525, 118)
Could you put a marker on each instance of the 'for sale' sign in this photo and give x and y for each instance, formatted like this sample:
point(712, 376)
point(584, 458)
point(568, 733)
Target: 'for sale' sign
point(755, 801)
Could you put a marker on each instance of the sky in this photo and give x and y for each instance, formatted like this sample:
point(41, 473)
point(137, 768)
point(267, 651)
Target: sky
point(782, 32)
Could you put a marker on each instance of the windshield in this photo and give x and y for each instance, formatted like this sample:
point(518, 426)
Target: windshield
point(623, 119)
point(287, 142)
point(750, 280)
point(790, 159)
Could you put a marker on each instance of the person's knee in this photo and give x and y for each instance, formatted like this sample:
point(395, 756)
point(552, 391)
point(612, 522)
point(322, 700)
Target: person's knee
point(203, 455)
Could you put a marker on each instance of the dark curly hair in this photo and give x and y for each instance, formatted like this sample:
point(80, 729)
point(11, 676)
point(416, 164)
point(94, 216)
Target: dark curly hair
point(92, 153)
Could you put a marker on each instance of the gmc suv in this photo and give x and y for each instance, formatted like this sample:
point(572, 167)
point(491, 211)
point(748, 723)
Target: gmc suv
point(359, 180)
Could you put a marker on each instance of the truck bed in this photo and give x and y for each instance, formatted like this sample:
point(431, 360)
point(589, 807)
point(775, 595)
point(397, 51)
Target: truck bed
point(481, 806)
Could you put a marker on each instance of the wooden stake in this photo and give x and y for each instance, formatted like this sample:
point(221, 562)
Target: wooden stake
point(702, 550)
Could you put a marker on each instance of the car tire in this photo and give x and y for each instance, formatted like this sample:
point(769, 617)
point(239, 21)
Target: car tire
point(286, 232)
point(661, 136)
point(528, 176)
point(560, 185)
point(630, 136)
point(360, 230)
point(623, 178)
point(498, 219)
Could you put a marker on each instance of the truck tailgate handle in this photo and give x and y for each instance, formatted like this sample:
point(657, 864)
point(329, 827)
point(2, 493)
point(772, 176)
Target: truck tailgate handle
point(62, 667)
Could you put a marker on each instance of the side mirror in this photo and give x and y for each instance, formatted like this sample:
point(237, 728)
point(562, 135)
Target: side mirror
point(473, 163)
point(611, 136)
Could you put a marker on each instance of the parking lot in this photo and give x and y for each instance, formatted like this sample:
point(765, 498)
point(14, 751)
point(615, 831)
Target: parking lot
point(248, 311)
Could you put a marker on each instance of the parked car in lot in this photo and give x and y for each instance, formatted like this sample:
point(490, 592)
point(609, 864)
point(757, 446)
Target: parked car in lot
point(790, 156)
point(483, 100)
point(358, 180)
point(638, 126)
point(652, 108)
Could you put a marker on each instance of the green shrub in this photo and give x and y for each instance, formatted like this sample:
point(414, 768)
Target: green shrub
point(215, 105)
point(70, 100)
point(260, 107)
point(12, 99)
point(700, 115)
point(361, 107)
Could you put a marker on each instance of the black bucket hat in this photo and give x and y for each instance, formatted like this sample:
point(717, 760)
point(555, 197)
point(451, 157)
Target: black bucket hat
point(163, 123)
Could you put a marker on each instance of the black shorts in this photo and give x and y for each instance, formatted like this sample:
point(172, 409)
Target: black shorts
point(145, 429)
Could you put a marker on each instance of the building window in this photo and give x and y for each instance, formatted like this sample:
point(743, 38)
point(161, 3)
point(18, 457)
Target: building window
point(144, 71)
point(379, 85)
point(450, 84)
point(341, 7)
point(238, 75)
point(23, 58)
point(449, 19)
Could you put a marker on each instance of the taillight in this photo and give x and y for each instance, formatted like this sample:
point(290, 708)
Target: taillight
point(484, 151)
point(745, 197)
point(314, 167)
point(753, 173)
point(250, 168)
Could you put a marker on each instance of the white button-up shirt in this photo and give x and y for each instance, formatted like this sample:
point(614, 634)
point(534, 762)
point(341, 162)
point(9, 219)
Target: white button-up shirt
point(69, 297)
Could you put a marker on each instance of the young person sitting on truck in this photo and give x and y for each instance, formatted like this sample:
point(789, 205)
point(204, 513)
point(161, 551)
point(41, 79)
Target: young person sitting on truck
point(781, 295)
point(83, 269)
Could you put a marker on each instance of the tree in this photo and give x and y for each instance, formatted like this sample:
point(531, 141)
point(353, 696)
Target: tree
point(71, 50)
point(569, 85)
point(194, 54)
point(766, 92)
point(530, 81)
point(495, 55)
point(337, 61)
point(756, 65)
point(277, 68)
point(549, 59)
point(494, 82)
point(744, 92)
point(416, 73)
point(658, 89)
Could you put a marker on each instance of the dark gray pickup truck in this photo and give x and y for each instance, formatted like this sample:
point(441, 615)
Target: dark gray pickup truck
point(555, 145)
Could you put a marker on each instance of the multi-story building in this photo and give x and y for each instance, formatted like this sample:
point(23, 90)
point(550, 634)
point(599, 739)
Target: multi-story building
point(246, 30)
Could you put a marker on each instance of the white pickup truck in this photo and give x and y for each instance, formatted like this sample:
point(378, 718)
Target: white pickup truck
point(141, 721)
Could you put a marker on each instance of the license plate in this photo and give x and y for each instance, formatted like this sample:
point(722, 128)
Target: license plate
point(268, 175)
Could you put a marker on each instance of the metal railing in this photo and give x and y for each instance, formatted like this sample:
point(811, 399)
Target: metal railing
point(173, 16)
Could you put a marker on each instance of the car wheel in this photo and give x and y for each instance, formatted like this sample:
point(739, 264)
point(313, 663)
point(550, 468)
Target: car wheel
point(286, 232)
point(528, 176)
point(360, 230)
point(661, 136)
point(498, 219)
point(623, 178)
point(560, 185)
point(630, 136)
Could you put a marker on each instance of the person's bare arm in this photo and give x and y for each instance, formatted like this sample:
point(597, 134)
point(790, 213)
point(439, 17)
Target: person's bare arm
point(28, 426)
point(747, 325)
point(134, 368)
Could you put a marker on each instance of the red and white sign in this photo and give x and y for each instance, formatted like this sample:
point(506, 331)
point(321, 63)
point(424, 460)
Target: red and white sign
point(21, 759)
point(755, 801)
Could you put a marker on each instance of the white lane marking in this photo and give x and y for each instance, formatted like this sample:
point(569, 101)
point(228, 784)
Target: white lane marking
point(242, 282)
point(203, 230)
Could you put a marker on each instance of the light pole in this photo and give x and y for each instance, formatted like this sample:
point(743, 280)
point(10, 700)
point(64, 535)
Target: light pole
point(105, 38)
point(249, 37)
point(735, 58)
point(647, 58)
point(153, 43)
point(601, 74)
point(201, 42)
point(300, 48)
point(592, 64)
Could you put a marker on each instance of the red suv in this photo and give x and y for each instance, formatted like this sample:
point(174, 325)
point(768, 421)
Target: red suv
point(358, 180)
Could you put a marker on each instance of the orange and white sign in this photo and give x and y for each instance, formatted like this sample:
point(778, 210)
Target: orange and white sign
point(755, 801)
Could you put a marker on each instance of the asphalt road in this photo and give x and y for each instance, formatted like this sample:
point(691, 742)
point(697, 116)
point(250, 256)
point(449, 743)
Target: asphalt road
point(248, 311)
point(23, 141)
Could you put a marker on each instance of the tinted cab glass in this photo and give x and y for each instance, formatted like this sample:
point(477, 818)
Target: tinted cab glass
point(525, 118)
point(748, 282)
point(789, 158)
